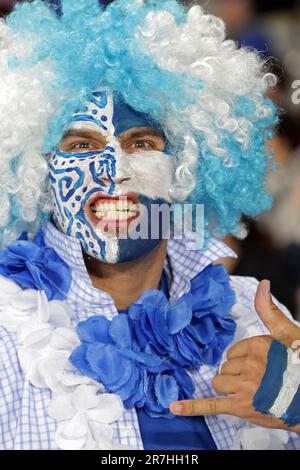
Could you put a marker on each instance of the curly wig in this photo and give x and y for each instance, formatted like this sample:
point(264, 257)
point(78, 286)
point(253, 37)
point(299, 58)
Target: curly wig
point(172, 63)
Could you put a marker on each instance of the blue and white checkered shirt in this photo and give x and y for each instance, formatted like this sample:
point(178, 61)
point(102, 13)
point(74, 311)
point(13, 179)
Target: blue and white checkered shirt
point(24, 422)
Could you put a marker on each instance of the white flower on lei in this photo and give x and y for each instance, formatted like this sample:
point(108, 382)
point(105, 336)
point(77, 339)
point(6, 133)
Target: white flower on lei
point(261, 439)
point(16, 305)
point(46, 339)
point(84, 418)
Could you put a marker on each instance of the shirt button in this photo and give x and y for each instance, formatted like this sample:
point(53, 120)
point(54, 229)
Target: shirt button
point(129, 432)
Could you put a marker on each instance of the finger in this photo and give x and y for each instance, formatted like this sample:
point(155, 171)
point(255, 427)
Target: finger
point(239, 349)
point(204, 407)
point(226, 384)
point(233, 366)
point(279, 326)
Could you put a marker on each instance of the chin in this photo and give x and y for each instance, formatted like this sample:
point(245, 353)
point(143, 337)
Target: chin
point(132, 250)
point(128, 251)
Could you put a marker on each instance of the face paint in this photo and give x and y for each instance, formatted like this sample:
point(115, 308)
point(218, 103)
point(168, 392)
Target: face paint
point(279, 391)
point(89, 187)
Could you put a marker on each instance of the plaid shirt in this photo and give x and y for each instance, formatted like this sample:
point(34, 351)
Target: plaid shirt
point(24, 422)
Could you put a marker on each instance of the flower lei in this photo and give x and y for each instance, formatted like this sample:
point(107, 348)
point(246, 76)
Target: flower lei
point(33, 265)
point(46, 338)
point(142, 356)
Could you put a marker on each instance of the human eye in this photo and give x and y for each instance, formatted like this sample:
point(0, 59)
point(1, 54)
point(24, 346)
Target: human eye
point(82, 146)
point(139, 145)
point(142, 144)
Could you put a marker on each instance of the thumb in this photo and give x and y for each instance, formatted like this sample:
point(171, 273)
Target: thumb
point(279, 326)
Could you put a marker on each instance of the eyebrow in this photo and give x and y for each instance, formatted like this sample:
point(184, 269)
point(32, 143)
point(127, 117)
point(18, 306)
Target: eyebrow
point(134, 134)
point(83, 134)
point(130, 134)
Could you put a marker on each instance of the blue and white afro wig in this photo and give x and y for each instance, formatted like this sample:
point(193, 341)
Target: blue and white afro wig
point(174, 64)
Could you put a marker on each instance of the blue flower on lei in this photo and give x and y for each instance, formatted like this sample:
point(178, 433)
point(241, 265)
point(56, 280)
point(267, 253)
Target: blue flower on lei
point(110, 354)
point(34, 265)
point(144, 355)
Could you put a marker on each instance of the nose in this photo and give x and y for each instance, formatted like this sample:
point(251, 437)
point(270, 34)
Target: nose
point(113, 167)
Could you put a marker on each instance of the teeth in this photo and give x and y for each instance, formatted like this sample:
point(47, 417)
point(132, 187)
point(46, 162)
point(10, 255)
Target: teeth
point(123, 216)
point(118, 210)
point(115, 215)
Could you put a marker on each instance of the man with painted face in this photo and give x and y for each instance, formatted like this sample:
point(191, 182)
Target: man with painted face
point(123, 156)
point(106, 337)
point(110, 160)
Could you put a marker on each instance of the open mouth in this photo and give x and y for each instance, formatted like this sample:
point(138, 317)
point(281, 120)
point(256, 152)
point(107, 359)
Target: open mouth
point(109, 210)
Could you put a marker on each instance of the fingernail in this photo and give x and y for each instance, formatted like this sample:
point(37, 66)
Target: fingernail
point(176, 408)
point(267, 287)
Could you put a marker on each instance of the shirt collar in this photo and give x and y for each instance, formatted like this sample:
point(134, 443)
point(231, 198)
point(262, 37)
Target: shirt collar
point(184, 263)
point(181, 266)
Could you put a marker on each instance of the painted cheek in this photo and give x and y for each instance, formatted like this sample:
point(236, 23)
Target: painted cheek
point(72, 179)
point(68, 185)
point(152, 174)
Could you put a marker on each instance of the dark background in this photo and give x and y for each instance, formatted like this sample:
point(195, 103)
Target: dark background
point(262, 5)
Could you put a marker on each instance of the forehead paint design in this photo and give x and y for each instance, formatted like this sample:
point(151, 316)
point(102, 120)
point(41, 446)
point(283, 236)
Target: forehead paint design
point(75, 177)
point(125, 118)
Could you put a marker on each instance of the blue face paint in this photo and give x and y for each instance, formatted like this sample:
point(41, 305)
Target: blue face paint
point(272, 380)
point(125, 118)
point(95, 112)
point(81, 181)
point(271, 397)
point(132, 249)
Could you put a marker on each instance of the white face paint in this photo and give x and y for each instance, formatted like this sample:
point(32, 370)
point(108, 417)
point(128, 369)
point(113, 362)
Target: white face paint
point(104, 182)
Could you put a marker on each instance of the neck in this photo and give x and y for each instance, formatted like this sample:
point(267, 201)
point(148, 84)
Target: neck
point(125, 282)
